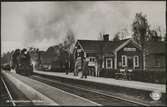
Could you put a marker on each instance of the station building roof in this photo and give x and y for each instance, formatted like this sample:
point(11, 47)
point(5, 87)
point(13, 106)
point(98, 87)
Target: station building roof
point(95, 46)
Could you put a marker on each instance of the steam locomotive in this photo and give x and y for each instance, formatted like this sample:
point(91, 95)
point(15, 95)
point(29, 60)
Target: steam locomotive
point(21, 62)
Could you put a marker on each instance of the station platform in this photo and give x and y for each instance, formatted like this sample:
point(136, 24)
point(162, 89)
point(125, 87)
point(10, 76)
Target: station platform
point(42, 94)
point(110, 81)
point(129, 90)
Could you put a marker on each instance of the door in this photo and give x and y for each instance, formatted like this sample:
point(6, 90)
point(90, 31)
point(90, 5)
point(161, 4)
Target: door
point(130, 62)
point(109, 63)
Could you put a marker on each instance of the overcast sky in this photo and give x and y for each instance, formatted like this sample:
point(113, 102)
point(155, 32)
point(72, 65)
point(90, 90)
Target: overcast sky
point(42, 24)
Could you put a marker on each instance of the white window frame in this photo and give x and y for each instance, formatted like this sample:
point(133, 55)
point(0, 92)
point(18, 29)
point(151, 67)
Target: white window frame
point(134, 61)
point(103, 62)
point(124, 56)
point(111, 61)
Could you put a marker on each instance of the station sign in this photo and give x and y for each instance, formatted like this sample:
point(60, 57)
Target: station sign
point(129, 49)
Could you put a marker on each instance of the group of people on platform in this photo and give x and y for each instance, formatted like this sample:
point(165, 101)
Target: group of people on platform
point(83, 67)
point(80, 65)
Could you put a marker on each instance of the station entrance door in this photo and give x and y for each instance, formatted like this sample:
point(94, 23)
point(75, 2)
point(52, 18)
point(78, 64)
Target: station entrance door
point(130, 62)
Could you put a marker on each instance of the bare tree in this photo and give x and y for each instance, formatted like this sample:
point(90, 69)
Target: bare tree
point(116, 37)
point(69, 40)
point(153, 36)
point(67, 49)
point(123, 34)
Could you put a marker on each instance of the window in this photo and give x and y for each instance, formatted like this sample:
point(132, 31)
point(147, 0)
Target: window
point(109, 63)
point(92, 59)
point(136, 61)
point(124, 60)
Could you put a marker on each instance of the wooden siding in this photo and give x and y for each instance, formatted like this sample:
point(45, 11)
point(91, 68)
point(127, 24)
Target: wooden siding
point(150, 62)
point(129, 53)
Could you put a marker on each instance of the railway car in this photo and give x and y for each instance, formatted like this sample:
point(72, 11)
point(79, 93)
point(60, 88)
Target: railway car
point(43, 67)
point(57, 67)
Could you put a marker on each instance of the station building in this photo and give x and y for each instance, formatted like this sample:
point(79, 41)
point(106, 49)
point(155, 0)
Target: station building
point(116, 54)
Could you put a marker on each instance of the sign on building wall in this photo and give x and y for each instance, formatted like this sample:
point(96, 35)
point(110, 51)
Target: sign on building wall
point(129, 49)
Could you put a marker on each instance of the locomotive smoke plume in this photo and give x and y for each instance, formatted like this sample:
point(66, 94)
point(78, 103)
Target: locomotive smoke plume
point(51, 23)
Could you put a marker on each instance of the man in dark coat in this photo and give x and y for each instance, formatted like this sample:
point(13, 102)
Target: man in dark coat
point(66, 66)
point(66, 61)
point(85, 68)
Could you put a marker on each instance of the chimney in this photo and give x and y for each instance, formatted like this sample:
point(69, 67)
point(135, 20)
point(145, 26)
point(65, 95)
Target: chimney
point(106, 37)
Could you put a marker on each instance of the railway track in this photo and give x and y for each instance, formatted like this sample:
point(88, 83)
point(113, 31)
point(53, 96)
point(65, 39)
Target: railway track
point(13, 96)
point(88, 93)
point(7, 98)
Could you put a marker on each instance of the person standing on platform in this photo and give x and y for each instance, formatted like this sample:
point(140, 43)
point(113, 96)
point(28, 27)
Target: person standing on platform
point(75, 70)
point(66, 67)
point(66, 62)
point(85, 68)
point(126, 73)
